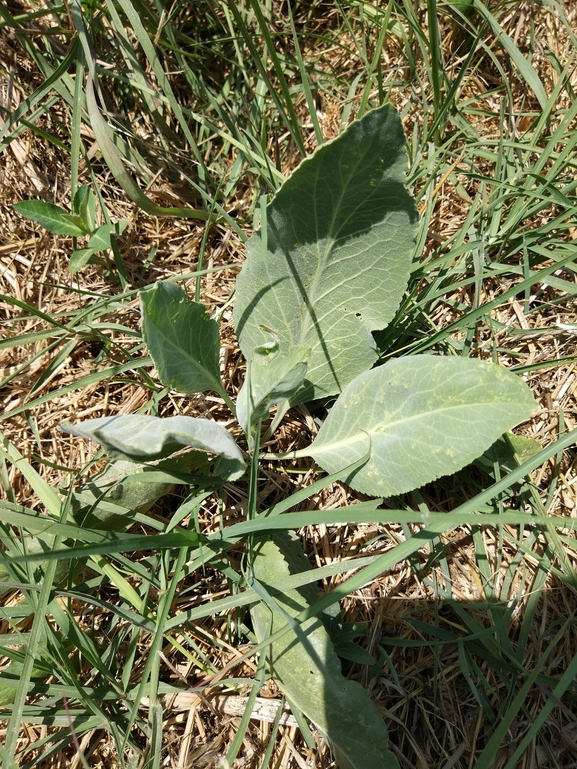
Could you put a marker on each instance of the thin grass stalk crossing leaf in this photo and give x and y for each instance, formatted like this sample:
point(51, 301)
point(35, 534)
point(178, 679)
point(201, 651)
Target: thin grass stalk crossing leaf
point(108, 543)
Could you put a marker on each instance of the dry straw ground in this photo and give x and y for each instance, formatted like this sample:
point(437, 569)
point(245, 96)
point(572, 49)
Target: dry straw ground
point(425, 690)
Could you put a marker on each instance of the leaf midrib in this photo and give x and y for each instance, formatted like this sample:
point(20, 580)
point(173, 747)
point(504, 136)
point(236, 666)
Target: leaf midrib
point(343, 443)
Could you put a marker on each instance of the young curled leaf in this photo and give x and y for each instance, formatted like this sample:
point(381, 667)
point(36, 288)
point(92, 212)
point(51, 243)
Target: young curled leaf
point(273, 377)
point(84, 205)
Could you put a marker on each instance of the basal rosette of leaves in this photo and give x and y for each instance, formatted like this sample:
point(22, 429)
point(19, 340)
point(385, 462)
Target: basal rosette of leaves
point(329, 265)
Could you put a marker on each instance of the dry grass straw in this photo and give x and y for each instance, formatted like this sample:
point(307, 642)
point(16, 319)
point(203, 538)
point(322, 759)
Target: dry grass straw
point(434, 719)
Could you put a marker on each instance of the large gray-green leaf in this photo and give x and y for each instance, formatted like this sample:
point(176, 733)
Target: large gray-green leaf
point(333, 261)
point(306, 668)
point(145, 439)
point(420, 417)
point(183, 341)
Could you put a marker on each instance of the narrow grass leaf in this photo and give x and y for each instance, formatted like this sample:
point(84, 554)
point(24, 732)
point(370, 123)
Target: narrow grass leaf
point(37, 632)
point(487, 757)
point(53, 79)
point(526, 71)
point(97, 376)
point(109, 543)
point(45, 492)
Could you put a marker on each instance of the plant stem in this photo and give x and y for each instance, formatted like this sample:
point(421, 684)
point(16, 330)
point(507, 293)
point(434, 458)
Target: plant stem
point(288, 455)
point(227, 399)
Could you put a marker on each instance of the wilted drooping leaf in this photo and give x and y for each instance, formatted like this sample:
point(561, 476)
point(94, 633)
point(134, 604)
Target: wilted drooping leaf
point(420, 417)
point(103, 501)
point(334, 260)
point(183, 341)
point(145, 438)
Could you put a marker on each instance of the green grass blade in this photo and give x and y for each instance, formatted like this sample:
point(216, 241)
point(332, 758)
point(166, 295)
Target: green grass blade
point(525, 69)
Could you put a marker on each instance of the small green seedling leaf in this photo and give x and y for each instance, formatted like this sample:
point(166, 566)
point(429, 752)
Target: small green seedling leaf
point(100, 239)
point(523, 447)
point(143, 438)
point(334, 261)
point(52, 217)
point(420, 417)
point(79, 259)
point(304, 664)
point(183, 341)
point(84, 206)
point(276, 376)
